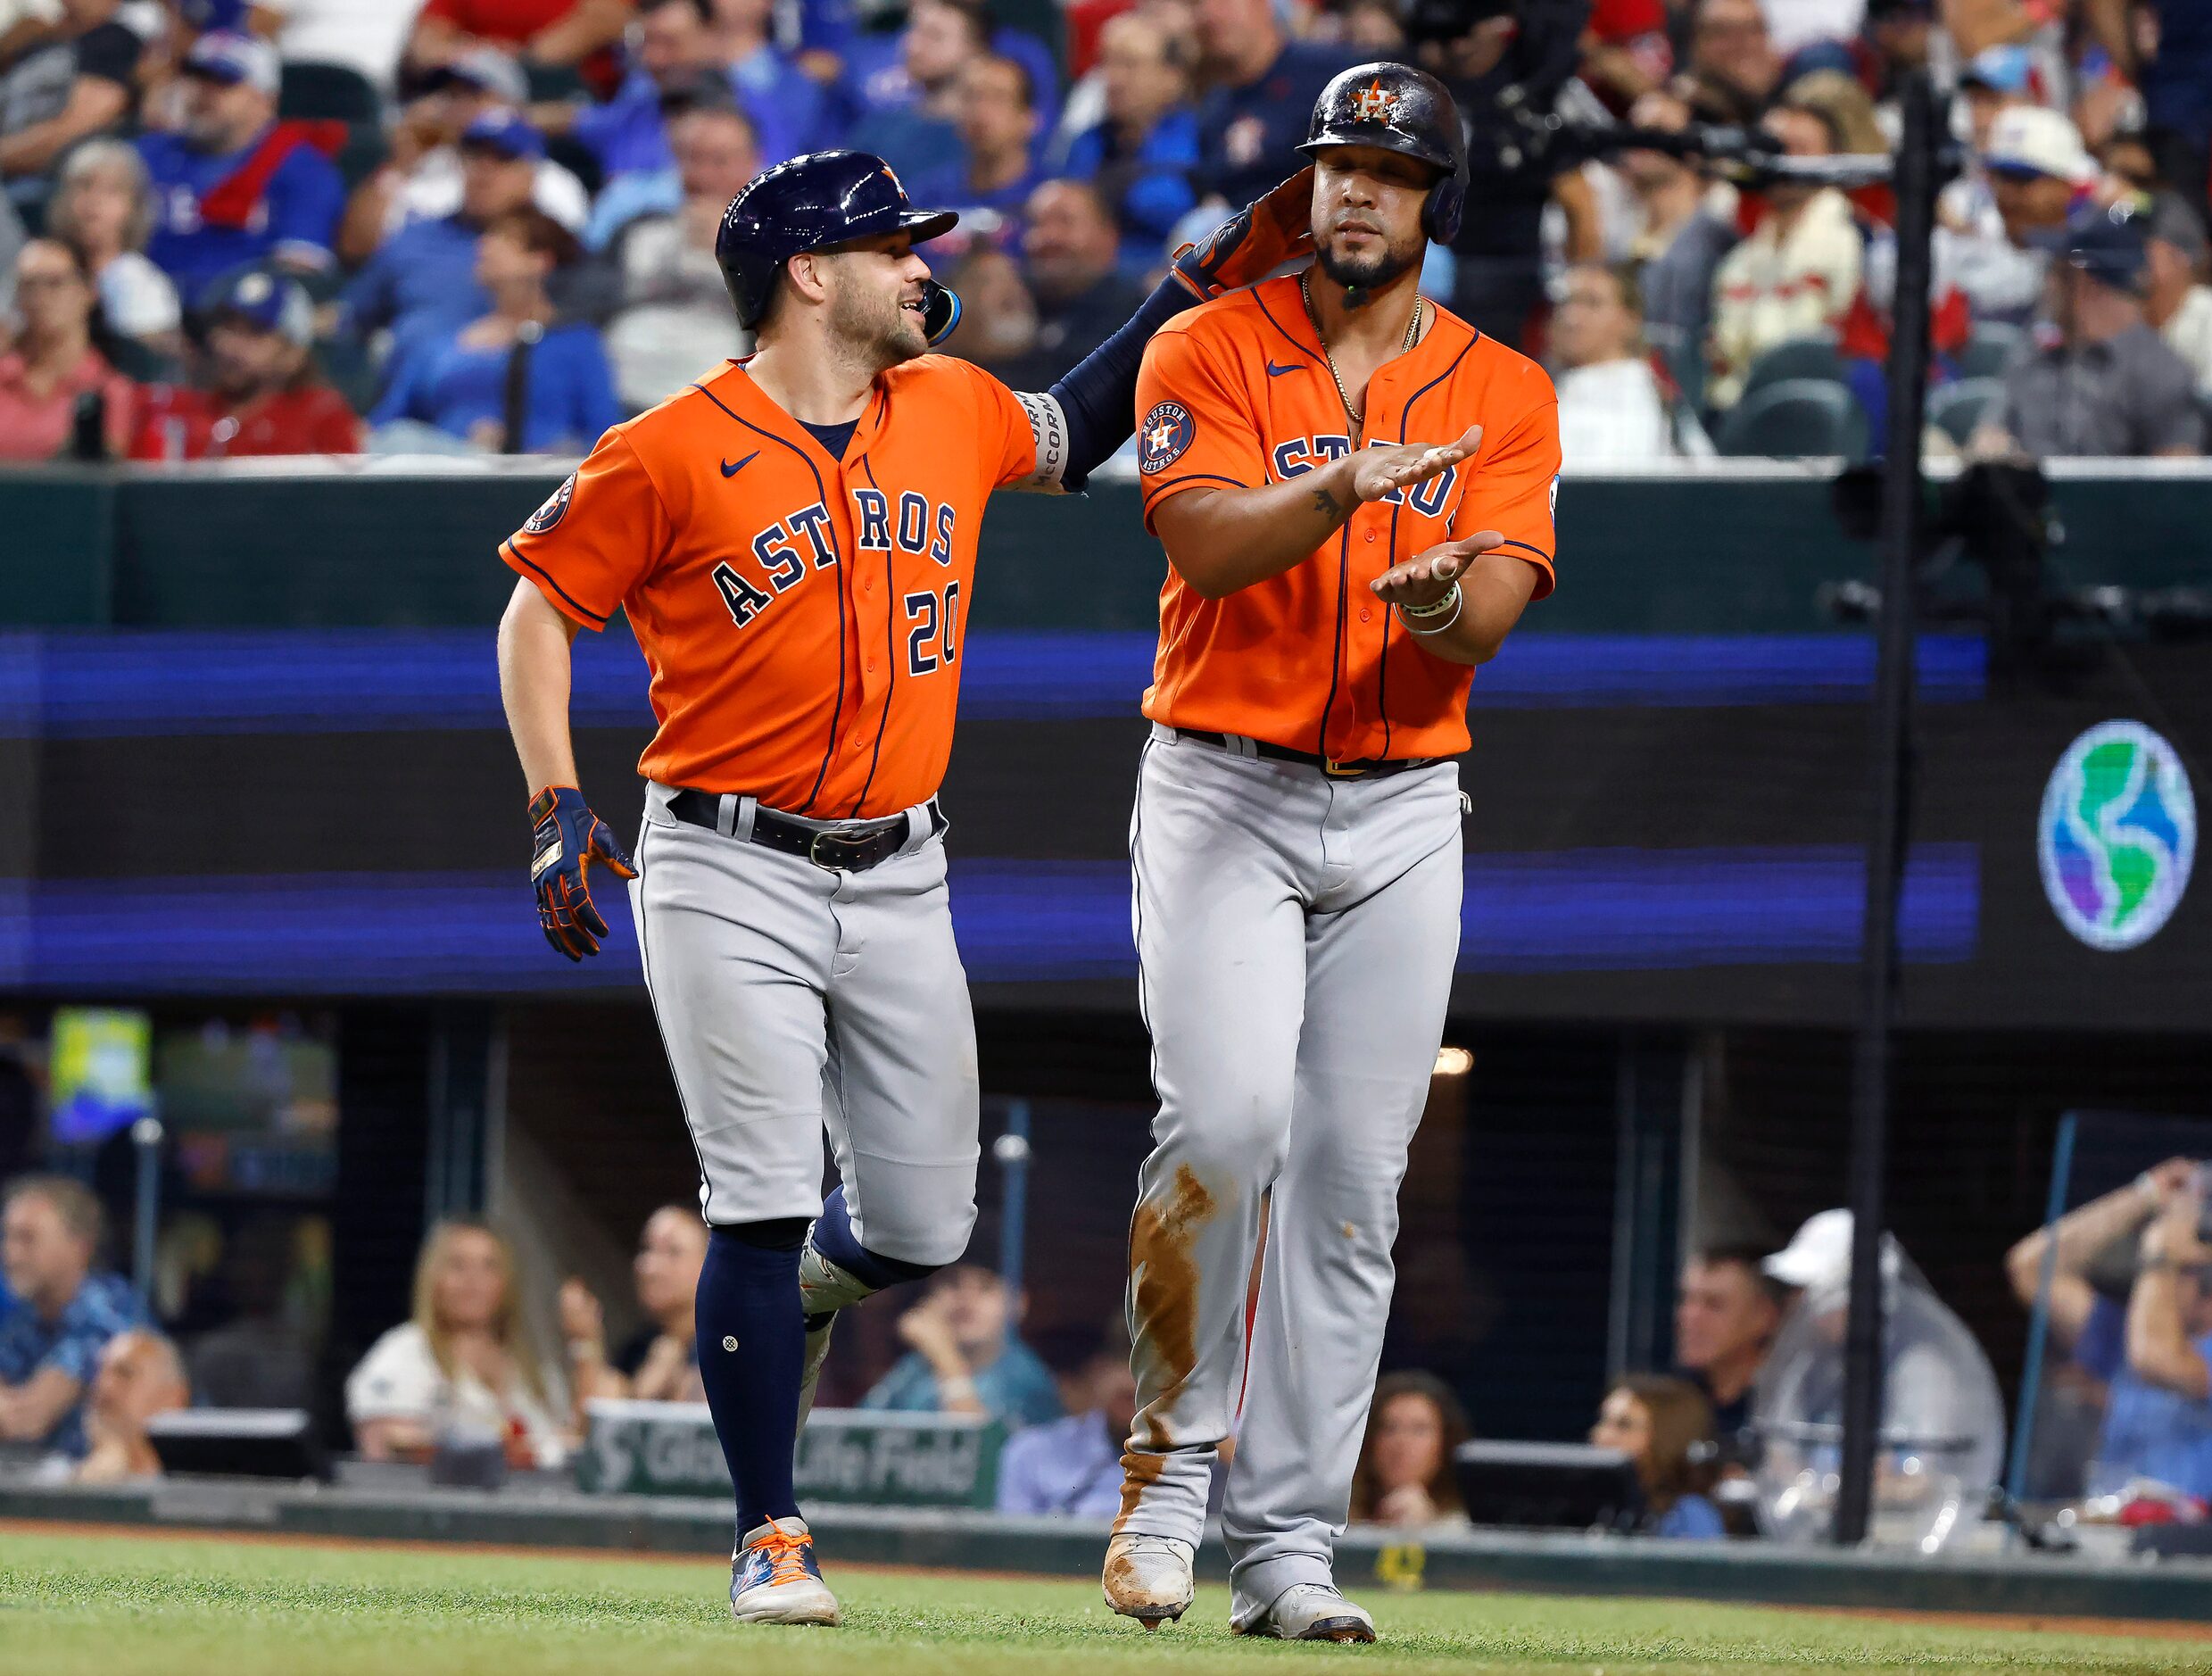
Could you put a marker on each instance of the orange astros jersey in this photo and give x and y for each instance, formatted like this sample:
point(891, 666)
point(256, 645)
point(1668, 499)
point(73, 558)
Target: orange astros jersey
point(801, 616)
point(1236, 394)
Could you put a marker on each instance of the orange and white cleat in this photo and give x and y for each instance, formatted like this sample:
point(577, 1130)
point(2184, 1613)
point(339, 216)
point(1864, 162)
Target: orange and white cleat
point(774, 1577)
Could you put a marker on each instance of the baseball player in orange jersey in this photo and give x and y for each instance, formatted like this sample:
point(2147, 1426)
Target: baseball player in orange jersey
point(1295, 839)
point(793, 542)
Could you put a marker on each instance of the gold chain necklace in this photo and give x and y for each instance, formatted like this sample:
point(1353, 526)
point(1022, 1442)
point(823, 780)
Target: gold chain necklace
point(1412, 333)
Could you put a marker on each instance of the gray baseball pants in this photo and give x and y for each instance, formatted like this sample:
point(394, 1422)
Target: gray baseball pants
point(792, 999)
point(1296, 935)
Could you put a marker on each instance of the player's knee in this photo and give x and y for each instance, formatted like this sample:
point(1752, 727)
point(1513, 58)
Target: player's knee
point(918, 1238)
point(1239, 1135)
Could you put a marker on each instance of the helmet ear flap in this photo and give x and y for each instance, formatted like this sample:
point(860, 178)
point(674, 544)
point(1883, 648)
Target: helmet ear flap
point(1442, 210)
point(940, 311)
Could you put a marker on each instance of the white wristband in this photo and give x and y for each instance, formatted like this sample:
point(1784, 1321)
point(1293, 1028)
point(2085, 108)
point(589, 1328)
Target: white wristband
point(1436, 607)
point(1414, 628)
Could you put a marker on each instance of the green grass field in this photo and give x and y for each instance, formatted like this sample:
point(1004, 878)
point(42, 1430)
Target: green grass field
point(77, 1605)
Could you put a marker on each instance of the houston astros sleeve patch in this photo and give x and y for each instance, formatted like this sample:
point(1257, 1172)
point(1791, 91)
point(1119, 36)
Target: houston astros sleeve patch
point(1164, 437)
point(555, 509)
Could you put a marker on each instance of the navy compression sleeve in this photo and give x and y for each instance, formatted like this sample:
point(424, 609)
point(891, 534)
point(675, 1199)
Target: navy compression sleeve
point(1098, 395)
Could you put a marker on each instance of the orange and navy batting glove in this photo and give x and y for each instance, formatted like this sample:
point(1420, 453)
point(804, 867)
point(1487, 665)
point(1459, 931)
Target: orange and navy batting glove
point(566, 838)
point(1252, 243)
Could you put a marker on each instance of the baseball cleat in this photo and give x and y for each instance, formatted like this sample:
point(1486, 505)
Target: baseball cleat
point(774, 1577)
point(1147, 1578)
point(823, 1289)
point(1307, 1612)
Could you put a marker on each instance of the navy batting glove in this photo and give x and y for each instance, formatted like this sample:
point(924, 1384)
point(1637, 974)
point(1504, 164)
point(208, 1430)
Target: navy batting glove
point(566, 838)
point(1252, 243)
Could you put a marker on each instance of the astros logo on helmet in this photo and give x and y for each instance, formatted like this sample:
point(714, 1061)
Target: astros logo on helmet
point(1396, 108)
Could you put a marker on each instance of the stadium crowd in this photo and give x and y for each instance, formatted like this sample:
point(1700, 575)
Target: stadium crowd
point(84, 1367)
point(253, 226)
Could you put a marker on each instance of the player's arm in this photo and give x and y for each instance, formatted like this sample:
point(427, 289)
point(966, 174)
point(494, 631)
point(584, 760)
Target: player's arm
point(30, 1410)
point(1477, 595)
point(566, 838)
point(534, 641)
point(94, 102)
point(1223, 539)
point(2158, 1346)
point(578, 556)
point(1075, 427)
point(1460, 599)
point(2079, 1236)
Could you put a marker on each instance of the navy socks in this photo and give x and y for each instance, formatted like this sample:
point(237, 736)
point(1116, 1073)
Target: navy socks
point(834, 1239)
point(751, 1345)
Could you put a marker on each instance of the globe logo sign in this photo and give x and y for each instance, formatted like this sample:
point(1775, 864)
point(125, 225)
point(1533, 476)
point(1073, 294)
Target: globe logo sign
point(2117, 834)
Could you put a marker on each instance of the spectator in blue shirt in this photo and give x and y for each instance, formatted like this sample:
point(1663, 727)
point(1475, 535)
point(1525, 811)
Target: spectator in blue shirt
point(964, 1356)
point(517, 379)
point(708, 108)
point(2159, 1414)
point(1143, 155)
point(997, 119)
point(50, 1346)
point(2090, 1253)
point(238, 186)
point(1657, 1421)
point(425, 274)
point(1073, 1467)
point(908, 105)
point(791, 111)
point(678, 41)
point(1260, 89)
point(1068, 254)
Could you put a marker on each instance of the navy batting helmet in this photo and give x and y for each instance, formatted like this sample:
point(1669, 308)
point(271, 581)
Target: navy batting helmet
point(1397, 108)
point(811, 202)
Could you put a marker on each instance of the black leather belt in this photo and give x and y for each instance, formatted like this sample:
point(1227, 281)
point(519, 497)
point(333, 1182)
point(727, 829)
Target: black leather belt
point(1367, 768)
point(852, 848)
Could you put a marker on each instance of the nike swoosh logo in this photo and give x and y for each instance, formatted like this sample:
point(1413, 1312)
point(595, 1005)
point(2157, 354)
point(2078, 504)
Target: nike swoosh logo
point(1273, 371)
point(729, 471)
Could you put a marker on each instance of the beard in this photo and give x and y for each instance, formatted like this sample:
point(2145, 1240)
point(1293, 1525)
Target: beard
point(1361, 276)
point(876, 328)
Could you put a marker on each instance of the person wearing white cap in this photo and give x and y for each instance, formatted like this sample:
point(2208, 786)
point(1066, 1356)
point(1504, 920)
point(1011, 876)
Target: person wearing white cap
point(1818, 1254)
point(238, 186)
point(1942, 1427)
point(2037, 166)
point(2030, 171)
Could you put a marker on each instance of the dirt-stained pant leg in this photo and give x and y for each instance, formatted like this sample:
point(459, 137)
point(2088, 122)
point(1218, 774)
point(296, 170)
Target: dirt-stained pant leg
point(1377, 977)
point(1220, 938)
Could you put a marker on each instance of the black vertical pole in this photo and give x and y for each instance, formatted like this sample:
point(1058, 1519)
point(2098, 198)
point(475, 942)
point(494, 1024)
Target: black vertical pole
point(1917, 180)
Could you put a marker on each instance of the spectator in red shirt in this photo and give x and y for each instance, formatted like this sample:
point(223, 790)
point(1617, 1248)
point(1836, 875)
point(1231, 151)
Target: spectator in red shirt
point(53, 361)
point(263, 394)
point(543, 31)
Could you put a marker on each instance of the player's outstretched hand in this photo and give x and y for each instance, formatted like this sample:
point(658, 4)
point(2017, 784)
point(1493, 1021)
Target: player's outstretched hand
point(566, 838)
point(1252, 243)
point(1428, 577)
point(1376, 472)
